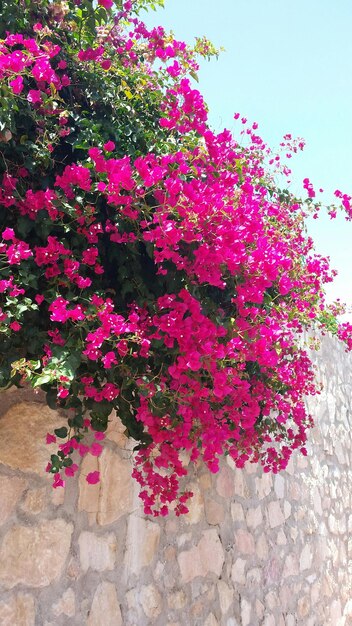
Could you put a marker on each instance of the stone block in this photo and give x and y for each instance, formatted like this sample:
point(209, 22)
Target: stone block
point(176, 600)
point(211, 620)
point(66, 605)
point(117, 487)
point(206, 557)
point(272, 570)
point(279, 486)
point(142, 543)
point(259, 610)
point(238, 571)
point(36, 555)
point(254, 517)
point(253, 579)
point(226, 595)
point(281, 538)
point(237, 513)
point(205, 481)
point(275, 514)
point(225, 483)
point(113, 496)
point(240, 484)
point(116, 431)
point(151, 601)
point(244, 541)
point(269, 620)
point(317, 502)
point(287, 509)
point(11, 489)
point(214, 512)
point(303, 607)
point(262, 548)
point(105, 608)
point(23, 429)
point(37, 500)
point(88, 499)
point(97, 552)
point(18, 611)
point(271, 600)
point(305, 560)
point(290, 566)
point(285, 597)
point(246, 612)
point(195, 505)
point(263, 485)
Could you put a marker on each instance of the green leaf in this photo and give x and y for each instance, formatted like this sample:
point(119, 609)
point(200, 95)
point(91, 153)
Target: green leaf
point(44, 379)
point(61, 432)
point(51, 399)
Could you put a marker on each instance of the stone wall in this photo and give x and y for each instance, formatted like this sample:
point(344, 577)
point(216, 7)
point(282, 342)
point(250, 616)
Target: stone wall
point(254, 549)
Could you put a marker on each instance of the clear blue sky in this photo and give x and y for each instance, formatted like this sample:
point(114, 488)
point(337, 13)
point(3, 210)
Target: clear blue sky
point(288, 66)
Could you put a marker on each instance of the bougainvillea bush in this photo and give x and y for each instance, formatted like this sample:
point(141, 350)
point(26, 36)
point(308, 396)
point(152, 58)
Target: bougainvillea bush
point(148, 264)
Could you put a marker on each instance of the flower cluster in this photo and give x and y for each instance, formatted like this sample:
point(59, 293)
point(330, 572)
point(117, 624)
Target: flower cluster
point(150, 265)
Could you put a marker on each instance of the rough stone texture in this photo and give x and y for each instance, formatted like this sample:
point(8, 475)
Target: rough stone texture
point(214, 512)
point(142, 542)
point(18, 611)
point(29, 423)
point(207, 556)
point(151, 601)
point(117, 488)
point(34, 556)
point(65, 605)
point(10, 490)
point(97, 552)
point(113, 496)
point(35, 501)
point(196, 507)
point(255, 549)
point(105, 607)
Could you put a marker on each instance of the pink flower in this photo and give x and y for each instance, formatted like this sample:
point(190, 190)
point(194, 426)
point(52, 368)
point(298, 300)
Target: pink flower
point(109, 359)
point(62, 392)
point(110, 391)
point(17, 85)
point(96, 449)
point(89, 256)
point(82, 449)
point(8, 233)
point(74, 175)
point(50, 438)
point(65, 80)
point(17, 252)
point(15, 326)
point(59, 311)
point(106, 64)
point(58, 482)
point(109, 146)
point(107, 4)
point(93, 478)
point(71, 470)
point(34, 96)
